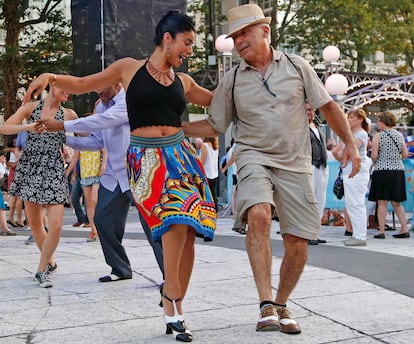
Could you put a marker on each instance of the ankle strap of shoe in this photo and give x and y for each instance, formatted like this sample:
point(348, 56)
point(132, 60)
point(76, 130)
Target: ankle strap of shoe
point(171, 300)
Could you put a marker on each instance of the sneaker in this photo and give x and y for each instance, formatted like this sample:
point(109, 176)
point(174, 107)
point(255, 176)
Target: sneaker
point(267, 319)
point(286, 323)
point(355, 242)
point(30, 240)
point(51, 269)
point(43, 279)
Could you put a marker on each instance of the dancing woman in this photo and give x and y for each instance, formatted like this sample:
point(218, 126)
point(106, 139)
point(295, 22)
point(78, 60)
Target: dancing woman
point(40, 178)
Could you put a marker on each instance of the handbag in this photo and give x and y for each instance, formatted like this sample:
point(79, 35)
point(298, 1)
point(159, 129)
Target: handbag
point(338, 186)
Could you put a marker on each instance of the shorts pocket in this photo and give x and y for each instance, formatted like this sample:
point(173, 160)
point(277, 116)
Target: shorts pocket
point(310, 197)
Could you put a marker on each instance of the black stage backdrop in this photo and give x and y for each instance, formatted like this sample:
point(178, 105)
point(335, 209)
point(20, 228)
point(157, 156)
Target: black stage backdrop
point(128, 27)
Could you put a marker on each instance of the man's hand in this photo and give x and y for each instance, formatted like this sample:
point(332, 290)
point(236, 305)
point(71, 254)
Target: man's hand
point(98, 101)
point(350, 152)
point(200, 128)
point(49, 125)
point(36, 87)
point(31, 127)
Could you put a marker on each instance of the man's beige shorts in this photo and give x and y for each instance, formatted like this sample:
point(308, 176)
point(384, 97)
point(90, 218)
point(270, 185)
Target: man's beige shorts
point(290, 192)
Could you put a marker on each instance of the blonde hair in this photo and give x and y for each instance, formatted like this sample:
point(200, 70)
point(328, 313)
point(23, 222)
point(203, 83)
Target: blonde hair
point(388, 118)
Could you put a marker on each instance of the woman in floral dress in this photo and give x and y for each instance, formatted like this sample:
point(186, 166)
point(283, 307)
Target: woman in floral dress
point(40, 177)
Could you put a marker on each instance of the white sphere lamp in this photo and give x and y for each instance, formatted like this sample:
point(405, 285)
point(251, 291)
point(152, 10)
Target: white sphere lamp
point(336, 84)
point(331, 54)
point(223, 44)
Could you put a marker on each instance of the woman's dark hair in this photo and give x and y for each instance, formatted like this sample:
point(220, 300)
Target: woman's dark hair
point(173, 22)
point(10, 140)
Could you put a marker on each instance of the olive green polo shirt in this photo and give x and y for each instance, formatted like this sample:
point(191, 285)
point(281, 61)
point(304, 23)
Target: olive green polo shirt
point(271, 124)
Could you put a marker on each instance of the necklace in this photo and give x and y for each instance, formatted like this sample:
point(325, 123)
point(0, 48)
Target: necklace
point(164, 78)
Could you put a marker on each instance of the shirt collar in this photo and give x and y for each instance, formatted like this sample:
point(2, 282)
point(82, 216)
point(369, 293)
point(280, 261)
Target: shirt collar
point(119, 96)
point(277, 55)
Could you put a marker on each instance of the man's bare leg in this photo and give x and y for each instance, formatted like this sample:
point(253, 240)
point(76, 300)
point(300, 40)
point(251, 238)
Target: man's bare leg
point(259, 249)
point(260, 256)
point(293, 263)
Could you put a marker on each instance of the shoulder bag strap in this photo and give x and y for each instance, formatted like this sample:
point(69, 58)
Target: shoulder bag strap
point(396, 144)
point(297, 70)
point(232, 90)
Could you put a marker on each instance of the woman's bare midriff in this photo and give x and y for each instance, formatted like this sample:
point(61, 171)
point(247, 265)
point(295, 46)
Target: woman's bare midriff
point(155, 131)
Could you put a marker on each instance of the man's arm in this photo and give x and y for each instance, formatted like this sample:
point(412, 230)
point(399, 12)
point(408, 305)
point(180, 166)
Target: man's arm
point(199, 129)
point(92, 142)
point(114, 116)
point(339, 124)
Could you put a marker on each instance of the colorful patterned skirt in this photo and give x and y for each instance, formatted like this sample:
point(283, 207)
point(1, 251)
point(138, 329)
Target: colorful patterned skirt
point(169, 185)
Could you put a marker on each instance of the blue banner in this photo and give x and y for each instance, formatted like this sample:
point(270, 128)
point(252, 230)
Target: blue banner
point(333, 203)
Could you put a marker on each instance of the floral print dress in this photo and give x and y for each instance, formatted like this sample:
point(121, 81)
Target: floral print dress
point(40, 174)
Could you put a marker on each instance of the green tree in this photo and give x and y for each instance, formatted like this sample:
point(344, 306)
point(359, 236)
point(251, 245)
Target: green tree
point(207, 15)
point(397, 30)
point(51, 51)
point(358, 27)
point(19, 19)
point(199, 10)
point(351, 25)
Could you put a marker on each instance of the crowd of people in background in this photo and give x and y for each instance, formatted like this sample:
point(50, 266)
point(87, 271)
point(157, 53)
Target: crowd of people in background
point(13, 210)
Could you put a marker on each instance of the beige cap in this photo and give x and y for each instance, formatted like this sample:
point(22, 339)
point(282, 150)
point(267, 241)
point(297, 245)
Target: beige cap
point(245, 15)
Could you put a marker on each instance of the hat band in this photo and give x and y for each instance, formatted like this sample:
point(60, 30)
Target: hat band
point(243, 21)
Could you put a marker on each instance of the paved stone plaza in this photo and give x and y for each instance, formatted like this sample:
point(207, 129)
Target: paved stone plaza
point(330, 303)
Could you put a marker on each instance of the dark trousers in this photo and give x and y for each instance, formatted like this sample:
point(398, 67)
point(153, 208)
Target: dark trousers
point(75, 196)
point(110, 218)
point(213, 184)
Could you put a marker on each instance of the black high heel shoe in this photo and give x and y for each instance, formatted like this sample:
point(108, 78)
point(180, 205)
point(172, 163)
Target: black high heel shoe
point(176, 325)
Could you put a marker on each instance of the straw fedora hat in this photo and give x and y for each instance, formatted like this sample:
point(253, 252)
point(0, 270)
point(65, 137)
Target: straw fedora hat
point(245, 15)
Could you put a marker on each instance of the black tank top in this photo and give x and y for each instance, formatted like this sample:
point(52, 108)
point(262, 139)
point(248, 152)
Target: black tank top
point(150, 103)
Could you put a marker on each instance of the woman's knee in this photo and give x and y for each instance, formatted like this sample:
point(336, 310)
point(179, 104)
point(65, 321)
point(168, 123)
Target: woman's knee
point(396, 205)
